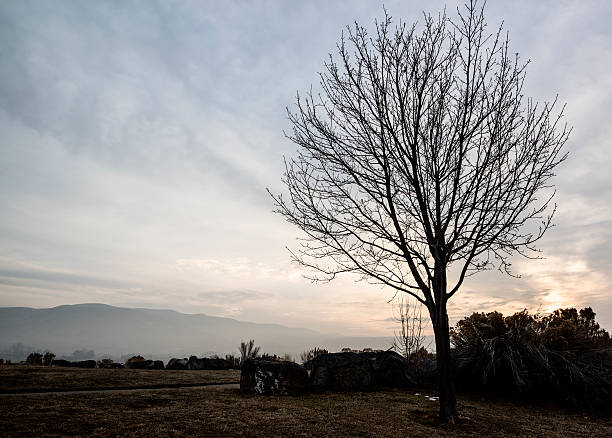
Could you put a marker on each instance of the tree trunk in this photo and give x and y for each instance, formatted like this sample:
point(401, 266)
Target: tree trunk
point(446, 380)
point(439, 319)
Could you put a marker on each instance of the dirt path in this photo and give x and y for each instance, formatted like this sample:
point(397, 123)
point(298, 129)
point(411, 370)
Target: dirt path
point(126, 389)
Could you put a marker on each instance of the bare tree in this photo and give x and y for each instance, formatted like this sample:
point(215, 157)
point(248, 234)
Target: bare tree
point(410, 338)
point(422, 153)
point(248, 350)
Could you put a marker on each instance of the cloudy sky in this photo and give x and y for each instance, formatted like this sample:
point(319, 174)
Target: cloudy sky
point(138, 139)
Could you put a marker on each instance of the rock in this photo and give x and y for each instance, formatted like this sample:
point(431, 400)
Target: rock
point(78, 364)
point(194, 363)
point(217, 364)
point(112, 365)
point(345, 371)
point(177, 364)
point(392, 370)
point(350, 371)
point(155, 365)
point(84, 364)
point(427, 372)
point(272, 378)
point(147, 365)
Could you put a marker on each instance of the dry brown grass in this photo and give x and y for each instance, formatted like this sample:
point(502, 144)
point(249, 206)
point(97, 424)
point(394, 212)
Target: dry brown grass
point(16, 378)
point(223, 412)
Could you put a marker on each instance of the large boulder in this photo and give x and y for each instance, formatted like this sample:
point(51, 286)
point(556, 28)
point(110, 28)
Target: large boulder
point(85, 364)
point(196, 363)
point(205, 363)
point(78, 364)
point(147, 365)
point(177, 364)
point(217, 364)
point(392, 370)
point(155, 365)
point(272, 377)
point(350, 371)
point(109, 365)
point(345, 371)
point(427, 372)
point(136, 364)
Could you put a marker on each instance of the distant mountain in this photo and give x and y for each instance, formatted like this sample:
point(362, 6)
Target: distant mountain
point(161, 334)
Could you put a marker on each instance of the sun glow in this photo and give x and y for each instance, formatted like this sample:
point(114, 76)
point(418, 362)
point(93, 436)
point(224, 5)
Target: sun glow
point(564, 283)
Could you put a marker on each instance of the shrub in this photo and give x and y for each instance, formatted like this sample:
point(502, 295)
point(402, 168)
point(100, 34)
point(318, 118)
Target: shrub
point(47, 359)
point(564, 356)
point(272, 357)
point(34, 359)
point(417, 357)
point(233, 360)
point(311, 354)
point(248, 350)
point(573, 331)
point(131, 360)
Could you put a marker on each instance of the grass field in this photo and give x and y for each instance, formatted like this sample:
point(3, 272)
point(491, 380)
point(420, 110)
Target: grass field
point(220, 412)
point(17, 378)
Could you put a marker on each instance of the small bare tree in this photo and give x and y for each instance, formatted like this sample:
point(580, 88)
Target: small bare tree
point(248, 350)
point(422, 153)
point(410, 338)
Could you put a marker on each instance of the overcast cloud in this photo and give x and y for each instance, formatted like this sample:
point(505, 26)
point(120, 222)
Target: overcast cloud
point(138, 139)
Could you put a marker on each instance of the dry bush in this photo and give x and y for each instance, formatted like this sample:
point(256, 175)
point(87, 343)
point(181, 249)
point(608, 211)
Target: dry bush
point(47, 359)
point(133, 359)
point(34, 359)
point(232, 359)
point(272, 357)
point(312, 353)
point(248, 350)
point(564, 356)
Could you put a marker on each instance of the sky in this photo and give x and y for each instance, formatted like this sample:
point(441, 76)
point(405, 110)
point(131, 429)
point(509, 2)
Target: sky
point(138, 139)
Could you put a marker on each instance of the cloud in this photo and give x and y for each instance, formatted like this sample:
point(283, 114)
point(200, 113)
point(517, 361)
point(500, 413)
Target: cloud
point(234, 296)
point(240, 267)
point(23, 273)
point(44, 276)
point(138, 139)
